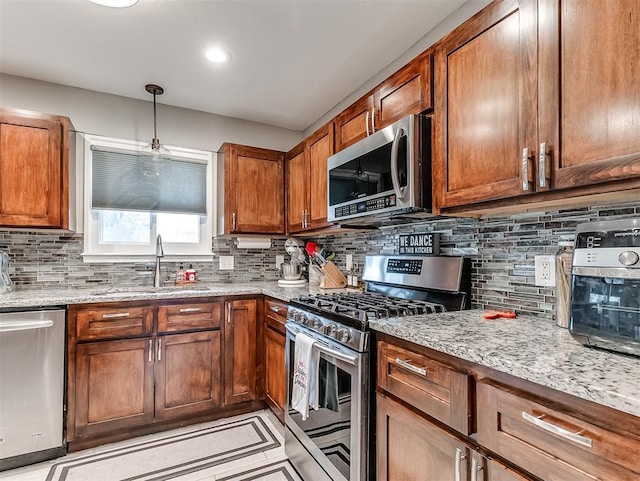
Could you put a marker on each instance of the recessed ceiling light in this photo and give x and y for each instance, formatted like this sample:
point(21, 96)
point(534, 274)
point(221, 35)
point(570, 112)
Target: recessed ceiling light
point(115, 3)
point(217, 55)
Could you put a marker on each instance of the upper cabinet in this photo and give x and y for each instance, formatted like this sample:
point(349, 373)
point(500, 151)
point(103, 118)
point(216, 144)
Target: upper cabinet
point(531, 100)
point(306, 181)
point(253, 192)
point(34, 169)
point(408, 91)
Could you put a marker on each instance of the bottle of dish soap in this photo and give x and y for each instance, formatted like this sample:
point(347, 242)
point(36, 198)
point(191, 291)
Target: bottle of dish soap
point(191, 274)
point(181, 276)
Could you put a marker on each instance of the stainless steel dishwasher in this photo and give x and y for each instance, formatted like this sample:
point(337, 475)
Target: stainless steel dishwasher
point(31, 386)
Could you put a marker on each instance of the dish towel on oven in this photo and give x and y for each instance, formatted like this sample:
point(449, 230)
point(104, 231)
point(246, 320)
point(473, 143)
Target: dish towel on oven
point(306, 362)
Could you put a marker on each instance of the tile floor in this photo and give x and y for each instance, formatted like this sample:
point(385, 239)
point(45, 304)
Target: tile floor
point(242, 448)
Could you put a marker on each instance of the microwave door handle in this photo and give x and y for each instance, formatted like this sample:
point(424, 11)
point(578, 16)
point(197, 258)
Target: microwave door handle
point(395, 180)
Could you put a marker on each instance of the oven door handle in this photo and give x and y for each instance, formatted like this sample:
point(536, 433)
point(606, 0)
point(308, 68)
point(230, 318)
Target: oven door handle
point(351, 360)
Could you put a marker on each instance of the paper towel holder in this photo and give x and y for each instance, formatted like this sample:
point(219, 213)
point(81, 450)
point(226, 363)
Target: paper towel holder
point(252, 242)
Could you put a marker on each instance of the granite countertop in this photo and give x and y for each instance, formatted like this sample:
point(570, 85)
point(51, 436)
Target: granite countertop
point(59, 297)
point(529, 348)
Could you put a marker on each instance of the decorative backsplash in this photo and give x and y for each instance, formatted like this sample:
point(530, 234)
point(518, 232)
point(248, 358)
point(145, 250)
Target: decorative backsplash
point(502, 250)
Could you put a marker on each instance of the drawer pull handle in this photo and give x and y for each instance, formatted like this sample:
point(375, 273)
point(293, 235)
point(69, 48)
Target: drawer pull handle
point(275, 309)
point(407, 365)
point(552, 428)
point(475, 469)
point(115, 316)
point(457, 468)
point(190, 309)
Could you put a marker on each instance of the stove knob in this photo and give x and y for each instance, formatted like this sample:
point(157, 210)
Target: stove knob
point(628, 258)
point(298, 317)
point(330, 330)
point(314, 322)
point(343, 335)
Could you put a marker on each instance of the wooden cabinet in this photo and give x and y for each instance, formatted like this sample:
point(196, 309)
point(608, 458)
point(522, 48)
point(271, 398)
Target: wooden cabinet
point(113, 383)
point(306, 181)
point(34, 169)
point(240, 337)
point(274, 346)
point(253, 190)
point(408, 91)
point(187, 374)
point(589, 98)
point(525, 108)
point(550, 443)
point(486, 106)
point(411, 448)
point(127, 371)
point(430, 386)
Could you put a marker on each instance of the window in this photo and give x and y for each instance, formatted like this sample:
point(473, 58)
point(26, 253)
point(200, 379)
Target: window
point(125, 210)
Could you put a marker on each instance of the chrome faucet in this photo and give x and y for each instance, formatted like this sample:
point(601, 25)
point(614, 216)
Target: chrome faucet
point(159, 254)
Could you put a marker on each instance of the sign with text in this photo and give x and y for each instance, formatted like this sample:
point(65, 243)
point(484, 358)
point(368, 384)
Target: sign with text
point(419, 244)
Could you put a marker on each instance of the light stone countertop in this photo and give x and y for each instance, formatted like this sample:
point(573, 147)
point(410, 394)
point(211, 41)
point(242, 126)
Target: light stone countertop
point(29, 299)
point(529, 348)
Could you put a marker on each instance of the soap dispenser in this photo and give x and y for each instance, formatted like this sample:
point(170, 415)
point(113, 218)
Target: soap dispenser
point(6, 285)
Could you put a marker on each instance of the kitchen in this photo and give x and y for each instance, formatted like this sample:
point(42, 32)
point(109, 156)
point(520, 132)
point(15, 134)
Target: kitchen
point(502, 244)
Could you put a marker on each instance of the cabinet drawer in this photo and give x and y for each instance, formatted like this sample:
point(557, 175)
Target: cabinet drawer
point(188, 317)
point(551, 444)
point(109, 323)
point(430, 386)
point(275, 314)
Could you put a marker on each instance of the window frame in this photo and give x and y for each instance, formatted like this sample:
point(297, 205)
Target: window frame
point(94, 252)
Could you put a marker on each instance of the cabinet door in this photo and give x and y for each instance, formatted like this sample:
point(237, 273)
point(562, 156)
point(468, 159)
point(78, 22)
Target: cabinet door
point(275, 368)
point(410, 448)
point(486, 108)
point(254, 190)
point(240, 351)
point(187, 374)
point(590, 90)
point(113, 385)
point(297, 181)
point(31, 172)
point(319, 148)
point(405, 92)
point(354, 123)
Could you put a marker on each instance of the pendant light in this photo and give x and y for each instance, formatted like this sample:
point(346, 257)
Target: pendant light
point(154, 155)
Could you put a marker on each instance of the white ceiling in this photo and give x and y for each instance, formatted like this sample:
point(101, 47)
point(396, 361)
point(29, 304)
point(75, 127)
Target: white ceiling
point(293, 60)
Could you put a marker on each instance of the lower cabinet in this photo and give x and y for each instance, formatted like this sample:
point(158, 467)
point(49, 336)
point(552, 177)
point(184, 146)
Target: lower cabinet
point(274, 346)
point(240, 344)
point(134, 364)
point(411, 448)
point(187, 374)
point(114, 386)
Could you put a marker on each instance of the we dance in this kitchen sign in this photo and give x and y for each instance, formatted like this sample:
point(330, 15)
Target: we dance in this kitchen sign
point(419, 244)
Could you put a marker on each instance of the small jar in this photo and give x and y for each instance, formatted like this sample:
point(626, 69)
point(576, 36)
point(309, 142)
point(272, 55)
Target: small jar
point(564, 262)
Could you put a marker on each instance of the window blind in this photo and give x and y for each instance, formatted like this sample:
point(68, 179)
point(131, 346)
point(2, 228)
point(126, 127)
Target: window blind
point(119, 183)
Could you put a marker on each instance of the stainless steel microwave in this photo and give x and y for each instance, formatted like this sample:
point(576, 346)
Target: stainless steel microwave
point(385, 174)
point(605, 290)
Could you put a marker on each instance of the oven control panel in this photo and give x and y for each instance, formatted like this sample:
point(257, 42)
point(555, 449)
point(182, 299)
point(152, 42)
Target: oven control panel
point(345, 335)
point(404, 266)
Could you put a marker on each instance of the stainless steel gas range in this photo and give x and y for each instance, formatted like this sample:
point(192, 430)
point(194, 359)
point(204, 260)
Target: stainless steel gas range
point(336, 443)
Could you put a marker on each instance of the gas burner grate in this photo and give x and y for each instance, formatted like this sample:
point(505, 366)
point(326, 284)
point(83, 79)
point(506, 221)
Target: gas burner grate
point(365, 306)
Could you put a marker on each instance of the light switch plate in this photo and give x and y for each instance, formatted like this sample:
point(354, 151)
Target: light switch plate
point(226, 263)
point(545, 270)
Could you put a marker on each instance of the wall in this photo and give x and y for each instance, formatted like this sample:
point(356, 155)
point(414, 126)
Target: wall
point(124, 118)
point(502, 250)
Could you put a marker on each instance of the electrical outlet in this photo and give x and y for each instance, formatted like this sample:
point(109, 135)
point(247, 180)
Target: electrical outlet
point(349, 262)
point(279, 261)
point(545, 270)
point(226, 263)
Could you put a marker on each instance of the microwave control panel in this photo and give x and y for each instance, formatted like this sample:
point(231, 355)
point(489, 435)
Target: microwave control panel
point(369, 205)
